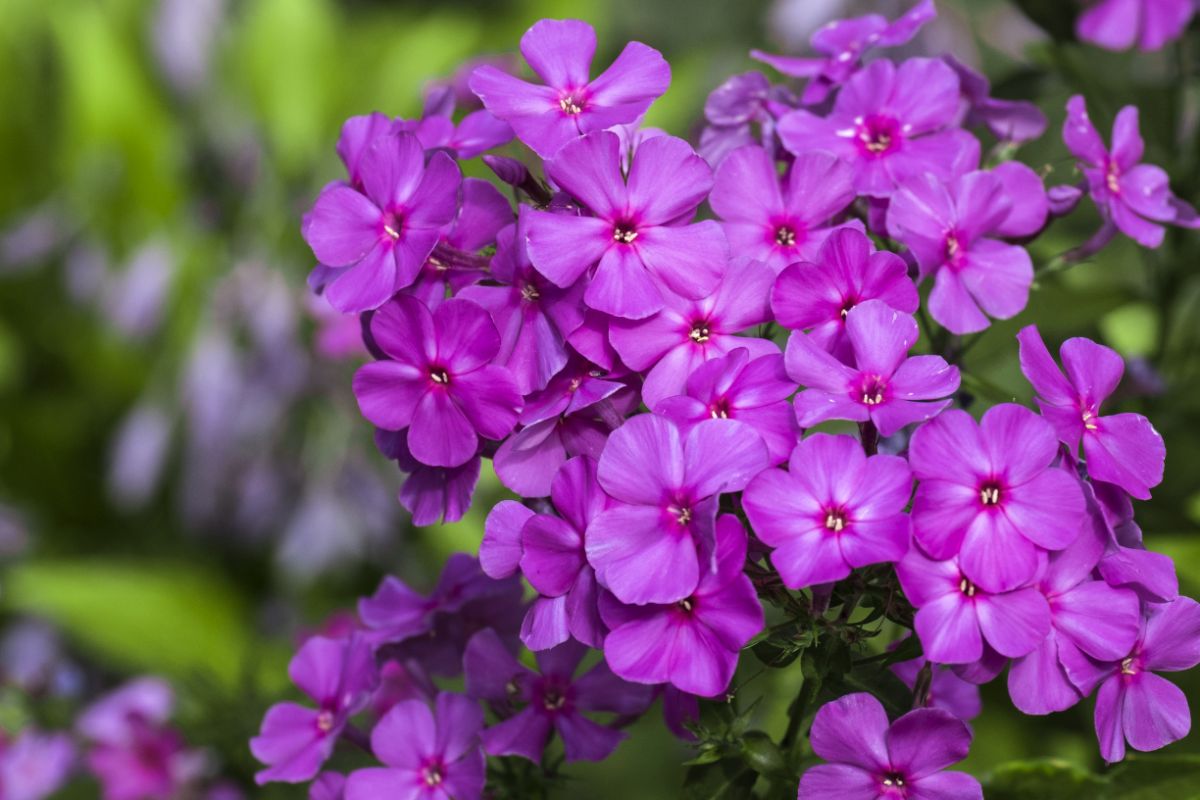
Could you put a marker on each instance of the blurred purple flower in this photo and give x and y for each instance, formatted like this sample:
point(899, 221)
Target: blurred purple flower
point(1120, 24)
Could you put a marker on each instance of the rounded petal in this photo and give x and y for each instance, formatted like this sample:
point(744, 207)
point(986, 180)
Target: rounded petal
point(500, 550)
point(560, 51)
point(927, 740)
point(838, 782)
point(388, 393)
point(342, 226)
point(440, 434)
point(1014, 623)
point(642, 555)
point(852, 730)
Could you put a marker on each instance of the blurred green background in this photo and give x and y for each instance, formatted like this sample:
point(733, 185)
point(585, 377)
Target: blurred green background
point(185, 482)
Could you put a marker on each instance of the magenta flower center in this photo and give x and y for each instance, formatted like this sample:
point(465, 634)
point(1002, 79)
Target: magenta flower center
point(554, 697)
point(847, 304)
point(1112, 178)
point(624, 233)
point(785, 236)
point(686, 605)
point(700, 332)
point(571, 104)
point(873, 390)
point(439, 376)
point(1130, 666)
point(433, 773)
point(1090, 419)
point(892, 784)
point(325, 721)
point(835, 520)
point(529, 293)
point(967, 588)
point(878, 135)
point(681, 513)
point(393, 223)
point(720, 409)
point(989, 493)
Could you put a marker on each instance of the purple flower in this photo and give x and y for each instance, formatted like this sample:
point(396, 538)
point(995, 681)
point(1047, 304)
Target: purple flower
point(1008, 120)
point(434, 629)
point(1136, 705)
point(534, 317)
point(776, 224)
point(692, 643)
point(833, 511)
point(571, 417)
point(377, 240)
point(885, 386)
point(339, 675)
point(430, 493)
point(476, 133)
point(439, 380)
point(749, 390)
point(686, 333)
point(35, 765)
point(1120, 24)
point(988, 493)
point(357, 135)
point(889, 124)
point(454, 263)
point(328, 786)
point(429, 755)
point(953, 230)
point(843, 43)
point(1126, 561)
point(571, 104)
point(957, 620)
point(1087, 618)
point(947, 690)
point(637, 238)
point(1124, 449)
point(553, 700)
point(734, 107)
point(1136, 197)
point(872, 760)
point(658, 541)
point(549, 551)
point(817, 294)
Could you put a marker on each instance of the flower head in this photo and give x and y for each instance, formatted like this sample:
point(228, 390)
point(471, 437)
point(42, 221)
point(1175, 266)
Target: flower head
point(817, 294)
point(35, 765)
point(635, 238)
point(833, 511)
point(773, 223)
point(889, 124)
point(872, 760)
point(553, 700)
point(954, 230)
point(958, 621)
point(295, 740)
point(885, 386)
point(1124, 449)
point(1088, 618)
point(570, 103)
point(686, 333)
point(1136, 705)
point(549, 551)
point(438, 382)
point(988, 493)
point(1136, 197)
point(843, 43)
point(746, 389)
point(376, 240)
point(427, 755)
point(655, 544)
point(692, 643)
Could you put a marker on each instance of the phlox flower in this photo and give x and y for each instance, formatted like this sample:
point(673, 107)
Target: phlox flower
point(693, 643)
point(658, 541)
point(833, 511)
point(988, 493)
point(553, 700)
point(427, 754)
point(885, 386)
point(636, 238)
point(868, 759)
point(1120, 24)
point(570, 103)
point(1124, 449)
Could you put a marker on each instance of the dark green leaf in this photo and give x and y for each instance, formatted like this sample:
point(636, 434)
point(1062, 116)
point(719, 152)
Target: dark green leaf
point(1043, 780)
point(730, 779)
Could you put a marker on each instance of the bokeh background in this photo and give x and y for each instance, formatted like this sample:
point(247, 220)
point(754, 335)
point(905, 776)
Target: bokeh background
point(185, 483)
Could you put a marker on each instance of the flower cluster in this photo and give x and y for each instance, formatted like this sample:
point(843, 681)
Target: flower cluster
point(648, 380)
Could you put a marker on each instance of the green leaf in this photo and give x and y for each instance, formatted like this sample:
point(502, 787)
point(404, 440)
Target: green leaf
point(730, 779)
point(1157, 778)
point(763, 755)
point(169, 618)
point(1043, 780)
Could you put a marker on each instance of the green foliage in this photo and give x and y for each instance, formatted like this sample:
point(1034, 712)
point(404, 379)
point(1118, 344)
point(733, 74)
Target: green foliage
point(1149, 777)
point(175, 619)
